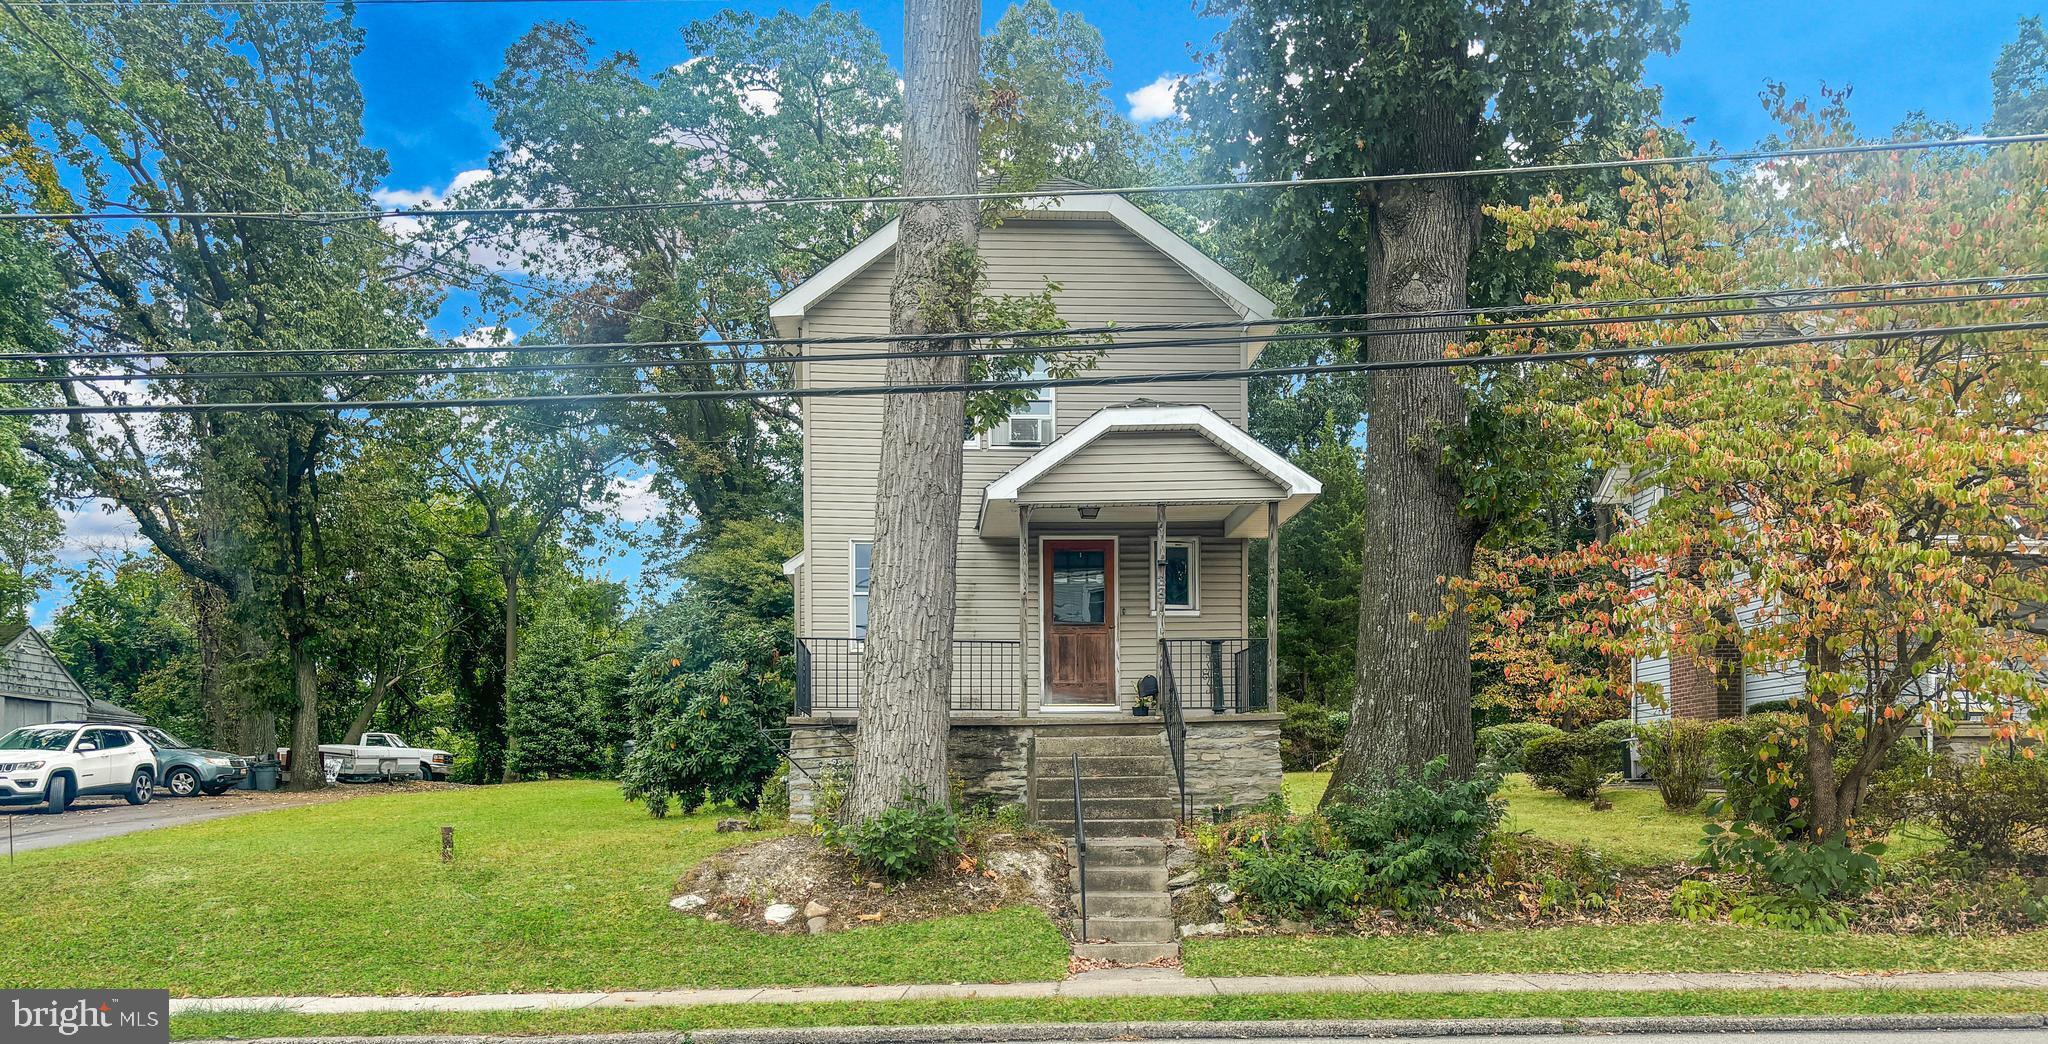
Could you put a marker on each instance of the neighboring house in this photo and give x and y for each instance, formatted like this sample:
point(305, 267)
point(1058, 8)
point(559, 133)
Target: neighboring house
point(1079, 515)
point(35, 687)
point(1720, 686)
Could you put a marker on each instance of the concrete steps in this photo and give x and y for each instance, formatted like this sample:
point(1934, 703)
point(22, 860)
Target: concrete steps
point(1129, 805)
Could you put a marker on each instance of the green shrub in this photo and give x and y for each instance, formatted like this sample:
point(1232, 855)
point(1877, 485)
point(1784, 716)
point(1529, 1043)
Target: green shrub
point(1292, 870)
point(1701, 901)
point(1575, 764)
point(1617, 731)
point(1993, 809)
point(554, 723)
point(1503, 744)
point(1310, 735)
point(773, 804)
point(905, 840)
point(1675, 753)
point(1810, 873)
point(1419, 834)
point(1761, 764)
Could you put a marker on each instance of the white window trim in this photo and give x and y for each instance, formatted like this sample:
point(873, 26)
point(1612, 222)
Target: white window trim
point(986, 439)
point(852, 590)
point(1194, 606)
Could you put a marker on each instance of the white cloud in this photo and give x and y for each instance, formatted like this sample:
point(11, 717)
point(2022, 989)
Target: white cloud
point(95, 528)
point(637, 501)
point(1155, 100)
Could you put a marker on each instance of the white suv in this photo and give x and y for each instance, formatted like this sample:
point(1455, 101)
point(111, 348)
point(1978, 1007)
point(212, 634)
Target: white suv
point(54, 763)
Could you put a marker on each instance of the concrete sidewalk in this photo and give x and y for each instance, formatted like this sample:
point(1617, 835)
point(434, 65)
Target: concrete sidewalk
point(1138, 982)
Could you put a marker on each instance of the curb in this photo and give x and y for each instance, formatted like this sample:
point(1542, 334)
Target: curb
point(1264, 1030)
point(1363, 1029)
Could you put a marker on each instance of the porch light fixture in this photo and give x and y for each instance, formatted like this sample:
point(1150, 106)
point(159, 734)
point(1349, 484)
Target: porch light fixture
point(1089, 513)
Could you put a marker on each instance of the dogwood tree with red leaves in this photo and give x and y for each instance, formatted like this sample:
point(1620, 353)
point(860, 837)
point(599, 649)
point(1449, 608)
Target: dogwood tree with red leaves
point(1874, 511)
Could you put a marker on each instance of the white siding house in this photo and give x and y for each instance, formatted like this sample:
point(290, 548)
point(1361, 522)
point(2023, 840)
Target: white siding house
point(1063, 507)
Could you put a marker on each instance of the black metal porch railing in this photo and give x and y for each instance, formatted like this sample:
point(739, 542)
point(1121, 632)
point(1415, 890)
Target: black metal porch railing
point(1176, 727)
point(828, 676)
point(1221, 675)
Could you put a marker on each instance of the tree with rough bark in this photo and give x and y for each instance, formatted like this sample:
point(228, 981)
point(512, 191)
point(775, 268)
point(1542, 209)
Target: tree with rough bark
point(1871, 511)
point(907, 660)
point(1299, 89)
point(185, 109)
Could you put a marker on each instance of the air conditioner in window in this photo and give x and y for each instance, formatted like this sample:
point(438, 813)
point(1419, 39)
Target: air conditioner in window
point(1029, 431)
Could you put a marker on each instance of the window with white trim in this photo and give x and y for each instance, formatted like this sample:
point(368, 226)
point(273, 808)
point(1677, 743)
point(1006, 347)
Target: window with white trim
point(863, 555)
point(1030, 424)
point(1183, 576)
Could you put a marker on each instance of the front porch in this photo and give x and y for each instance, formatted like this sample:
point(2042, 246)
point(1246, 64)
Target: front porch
point(1200, 676)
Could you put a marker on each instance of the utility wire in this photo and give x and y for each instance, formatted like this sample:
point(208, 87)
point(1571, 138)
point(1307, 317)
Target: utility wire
point(2020, 278)
point(1534, 325)
point(321, 3)
point(1642, 351)
point(472, 213)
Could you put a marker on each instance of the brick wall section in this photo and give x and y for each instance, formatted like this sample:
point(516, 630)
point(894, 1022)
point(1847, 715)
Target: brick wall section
point(1697, 690)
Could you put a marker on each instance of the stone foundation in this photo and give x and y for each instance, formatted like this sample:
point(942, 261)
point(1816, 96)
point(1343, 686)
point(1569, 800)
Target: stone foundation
point(1232, 760)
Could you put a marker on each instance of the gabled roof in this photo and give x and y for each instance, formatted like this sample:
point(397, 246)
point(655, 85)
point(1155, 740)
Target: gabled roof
point(1295, 486)
point(19, 636)
point(1082, 202)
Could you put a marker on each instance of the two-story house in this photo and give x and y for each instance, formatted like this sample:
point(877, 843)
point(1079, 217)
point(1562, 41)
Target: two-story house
point(1105, 532)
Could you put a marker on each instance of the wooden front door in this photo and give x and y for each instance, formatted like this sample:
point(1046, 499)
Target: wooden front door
point(1080, 621)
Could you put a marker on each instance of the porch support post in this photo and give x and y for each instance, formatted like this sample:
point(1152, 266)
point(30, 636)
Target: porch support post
point(1023, 610)
point(1272, 605)
point(1159, 590)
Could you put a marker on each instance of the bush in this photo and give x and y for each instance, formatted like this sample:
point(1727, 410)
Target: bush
point(1503, 744)
point(1617, 731)
point(1992, 809)
point(905, 840)
point(1761, 767)
point(1310, 735)
point(773, 805)
point(554, 725)
point(1292, 869)
point(1575, 764)
point(1675, 752)
point(1797, 882)
point(1420, 834)
point(711, 747)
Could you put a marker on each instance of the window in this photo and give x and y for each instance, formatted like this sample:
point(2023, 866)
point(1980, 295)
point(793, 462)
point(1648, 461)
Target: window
point(1030, 424)
point(375, 739)
point(1182, 559)
point(863, 552)
point(1080, 587)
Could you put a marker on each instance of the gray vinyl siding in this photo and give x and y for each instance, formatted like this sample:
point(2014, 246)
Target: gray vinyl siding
point(1175, 467)
point(1768, 683)
point(35, 687)
point(1105, 275)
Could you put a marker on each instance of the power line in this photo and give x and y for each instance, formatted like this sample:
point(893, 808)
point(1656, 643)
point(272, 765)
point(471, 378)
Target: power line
point(2019, 278)
point(472, 213)
point(1643, 351)
point(1535, 325)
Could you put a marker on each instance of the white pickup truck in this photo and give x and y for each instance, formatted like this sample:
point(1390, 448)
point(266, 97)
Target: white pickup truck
point(381, 756)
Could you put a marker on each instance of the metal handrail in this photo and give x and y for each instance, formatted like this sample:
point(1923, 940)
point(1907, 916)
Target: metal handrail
point(1176, 726)
point(1081, 846)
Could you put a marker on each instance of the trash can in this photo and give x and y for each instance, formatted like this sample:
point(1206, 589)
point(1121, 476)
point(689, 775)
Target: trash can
point(263, 775)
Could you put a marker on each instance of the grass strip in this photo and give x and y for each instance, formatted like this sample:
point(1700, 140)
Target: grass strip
point(1611, 948)
point(1591, 1004)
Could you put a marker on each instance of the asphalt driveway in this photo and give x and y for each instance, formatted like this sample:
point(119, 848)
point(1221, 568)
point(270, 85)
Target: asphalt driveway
point(27, 828)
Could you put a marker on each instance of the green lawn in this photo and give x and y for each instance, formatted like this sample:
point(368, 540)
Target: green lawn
point(247, 1025)
point(1636, 832)
point(1611, 948)
point(555, 886)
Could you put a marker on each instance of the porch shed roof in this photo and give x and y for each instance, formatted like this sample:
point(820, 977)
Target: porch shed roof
point(1126, 461)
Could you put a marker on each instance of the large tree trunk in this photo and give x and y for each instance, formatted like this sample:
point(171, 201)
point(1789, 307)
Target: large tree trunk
point(307, 771)
point(510, 574)
point(1413, 701)
point(379, 685)
point(907, 666)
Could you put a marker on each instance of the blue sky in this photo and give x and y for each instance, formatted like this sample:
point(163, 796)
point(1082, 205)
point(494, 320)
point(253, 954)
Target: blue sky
point(420, 65)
